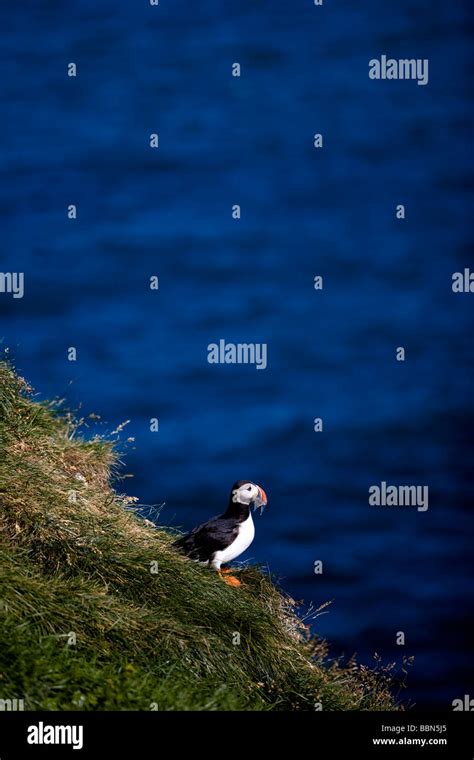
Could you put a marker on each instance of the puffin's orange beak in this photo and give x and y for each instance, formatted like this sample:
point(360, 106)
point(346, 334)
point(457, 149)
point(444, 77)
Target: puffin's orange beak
point(263, 496)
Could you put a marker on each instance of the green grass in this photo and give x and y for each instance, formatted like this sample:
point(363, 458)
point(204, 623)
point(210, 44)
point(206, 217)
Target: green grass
point(85, 623)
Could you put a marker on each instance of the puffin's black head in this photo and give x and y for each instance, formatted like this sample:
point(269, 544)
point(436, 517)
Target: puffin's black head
point(247, 493)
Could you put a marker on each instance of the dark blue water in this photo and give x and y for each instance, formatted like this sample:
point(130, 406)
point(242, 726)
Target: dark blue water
point(331, 354)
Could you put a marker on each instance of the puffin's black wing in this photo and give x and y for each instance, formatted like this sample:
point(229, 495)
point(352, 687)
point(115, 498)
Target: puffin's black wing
point(210, 537)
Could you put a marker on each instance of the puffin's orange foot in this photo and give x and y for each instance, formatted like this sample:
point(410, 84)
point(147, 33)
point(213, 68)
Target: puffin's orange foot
point(231, 580)
point(225, 570)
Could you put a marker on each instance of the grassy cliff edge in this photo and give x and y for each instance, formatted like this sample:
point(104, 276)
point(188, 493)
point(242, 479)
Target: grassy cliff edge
point(97, 611)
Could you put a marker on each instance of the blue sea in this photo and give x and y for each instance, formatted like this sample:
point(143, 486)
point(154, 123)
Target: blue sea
point(305, 211)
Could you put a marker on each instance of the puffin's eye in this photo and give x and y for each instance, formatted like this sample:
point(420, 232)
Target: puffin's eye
point(249, 488)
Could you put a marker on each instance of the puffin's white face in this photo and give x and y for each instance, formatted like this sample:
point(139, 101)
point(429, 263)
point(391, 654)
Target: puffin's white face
point(249, 493)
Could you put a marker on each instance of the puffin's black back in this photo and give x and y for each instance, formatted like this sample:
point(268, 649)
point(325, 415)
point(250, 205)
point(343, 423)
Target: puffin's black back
point(215, 534)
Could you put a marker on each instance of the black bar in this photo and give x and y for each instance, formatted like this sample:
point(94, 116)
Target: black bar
point(318, 734)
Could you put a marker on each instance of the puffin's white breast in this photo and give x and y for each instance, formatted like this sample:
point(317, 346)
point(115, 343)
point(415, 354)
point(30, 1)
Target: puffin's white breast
point(240, 544)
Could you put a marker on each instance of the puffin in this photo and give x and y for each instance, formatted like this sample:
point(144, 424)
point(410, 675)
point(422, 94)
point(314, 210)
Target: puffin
point(221, 539)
